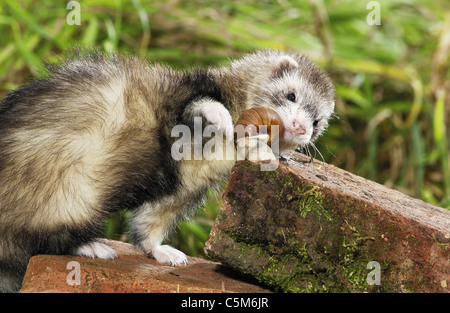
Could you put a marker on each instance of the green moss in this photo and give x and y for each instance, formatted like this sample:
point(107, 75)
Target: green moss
point(298, 269)
point(311, 200)
point(104, 274)
point(270, 174)
point(274, 272)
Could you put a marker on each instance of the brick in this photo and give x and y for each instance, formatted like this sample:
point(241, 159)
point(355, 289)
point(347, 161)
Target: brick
point(312, 227)
point(132, 272)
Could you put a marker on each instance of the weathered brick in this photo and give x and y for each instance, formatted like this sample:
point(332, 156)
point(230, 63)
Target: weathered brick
point(312, 227)
point(131, 272)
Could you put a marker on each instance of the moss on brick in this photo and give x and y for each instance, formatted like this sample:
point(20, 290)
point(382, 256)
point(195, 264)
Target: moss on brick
point(298, 236)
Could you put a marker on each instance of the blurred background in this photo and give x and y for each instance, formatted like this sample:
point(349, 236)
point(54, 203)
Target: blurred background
point(389, 60)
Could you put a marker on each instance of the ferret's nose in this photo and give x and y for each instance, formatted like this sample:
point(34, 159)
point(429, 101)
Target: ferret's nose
point(298, 128)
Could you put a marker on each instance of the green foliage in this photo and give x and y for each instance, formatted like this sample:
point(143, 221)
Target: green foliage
point(392, 106)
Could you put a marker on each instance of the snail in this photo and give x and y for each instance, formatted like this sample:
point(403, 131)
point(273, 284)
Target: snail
point(252, 119)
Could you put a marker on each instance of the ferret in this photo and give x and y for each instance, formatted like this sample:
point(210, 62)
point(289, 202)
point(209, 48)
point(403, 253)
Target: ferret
point(94, 136)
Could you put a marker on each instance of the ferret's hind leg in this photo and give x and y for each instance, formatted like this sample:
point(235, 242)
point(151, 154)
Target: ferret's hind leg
point(10, 281)
point(149, 226)
point(14, 257)
point(95, 249)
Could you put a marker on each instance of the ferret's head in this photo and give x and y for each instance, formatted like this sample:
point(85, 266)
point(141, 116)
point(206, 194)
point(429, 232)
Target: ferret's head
point(296, 88)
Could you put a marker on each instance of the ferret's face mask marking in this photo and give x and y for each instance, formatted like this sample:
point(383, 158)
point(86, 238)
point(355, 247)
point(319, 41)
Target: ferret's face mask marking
point(304, 98)
point(305, 114)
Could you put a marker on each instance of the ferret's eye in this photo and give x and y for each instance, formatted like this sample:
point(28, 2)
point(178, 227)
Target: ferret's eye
point(315, 123)
point(291, 96)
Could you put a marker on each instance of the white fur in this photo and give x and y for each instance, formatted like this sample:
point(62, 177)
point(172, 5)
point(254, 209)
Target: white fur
point(96, 249)
point(216, 114)
point(153, 221)
point(166, 254)
point(289, 59)
point(291, 113)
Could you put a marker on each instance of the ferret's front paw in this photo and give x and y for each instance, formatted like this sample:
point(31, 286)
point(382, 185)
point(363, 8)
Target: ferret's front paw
point(255, 148)
point(168, 255)
point(219, 116)
point(96, 249)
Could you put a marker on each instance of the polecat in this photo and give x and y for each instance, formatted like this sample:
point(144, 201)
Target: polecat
point(94, 137)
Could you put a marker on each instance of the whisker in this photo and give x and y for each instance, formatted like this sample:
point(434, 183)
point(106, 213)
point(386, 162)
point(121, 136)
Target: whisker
point(311, 159)
point(330, 152)
point(305, 150)
point(317, 150)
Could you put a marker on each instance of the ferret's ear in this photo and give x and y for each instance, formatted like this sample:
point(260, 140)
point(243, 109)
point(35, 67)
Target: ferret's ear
point(284, 64)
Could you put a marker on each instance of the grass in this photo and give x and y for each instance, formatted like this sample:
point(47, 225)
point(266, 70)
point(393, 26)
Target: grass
point(393, 99)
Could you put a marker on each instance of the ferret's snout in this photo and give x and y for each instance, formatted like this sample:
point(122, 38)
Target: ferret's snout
point(297, 128)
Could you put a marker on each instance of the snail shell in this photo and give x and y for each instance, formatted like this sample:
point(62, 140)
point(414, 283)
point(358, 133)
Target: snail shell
point(252, 119)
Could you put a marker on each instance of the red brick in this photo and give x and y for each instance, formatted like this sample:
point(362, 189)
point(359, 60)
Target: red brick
point(131, 272)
